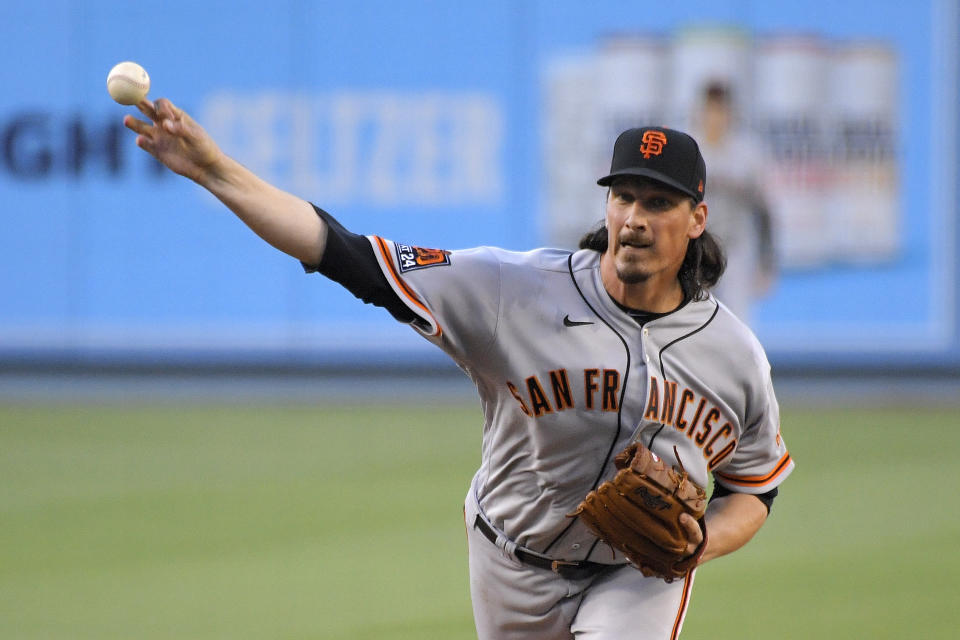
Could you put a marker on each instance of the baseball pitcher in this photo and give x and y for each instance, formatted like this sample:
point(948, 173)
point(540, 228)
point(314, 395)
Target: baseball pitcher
point(614, 386)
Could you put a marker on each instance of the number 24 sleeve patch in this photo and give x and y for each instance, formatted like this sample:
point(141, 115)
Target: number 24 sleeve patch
point(410, 258)
point(392, 270)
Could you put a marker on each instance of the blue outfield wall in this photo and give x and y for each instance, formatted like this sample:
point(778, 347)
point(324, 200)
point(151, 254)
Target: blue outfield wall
point(419, 121)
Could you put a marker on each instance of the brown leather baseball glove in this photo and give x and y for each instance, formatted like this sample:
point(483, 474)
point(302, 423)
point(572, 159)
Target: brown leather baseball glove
point(638, 513)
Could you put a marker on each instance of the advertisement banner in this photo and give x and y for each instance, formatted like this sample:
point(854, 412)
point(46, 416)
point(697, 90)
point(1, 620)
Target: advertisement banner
point(451, 126)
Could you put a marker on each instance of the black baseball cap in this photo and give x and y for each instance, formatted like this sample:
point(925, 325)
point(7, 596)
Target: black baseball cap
point(665, 155)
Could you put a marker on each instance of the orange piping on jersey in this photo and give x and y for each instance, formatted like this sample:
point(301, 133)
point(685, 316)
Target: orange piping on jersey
point(756, 481)
point(385, 253)
point(684, 603)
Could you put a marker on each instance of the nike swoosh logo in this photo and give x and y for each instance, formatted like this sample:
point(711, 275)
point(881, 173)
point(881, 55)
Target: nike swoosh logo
point(567, 322)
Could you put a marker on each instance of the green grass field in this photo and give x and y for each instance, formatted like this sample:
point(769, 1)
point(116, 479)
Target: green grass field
point(266, 522)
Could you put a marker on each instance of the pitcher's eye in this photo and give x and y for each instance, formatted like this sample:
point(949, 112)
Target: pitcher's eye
point(657, 203)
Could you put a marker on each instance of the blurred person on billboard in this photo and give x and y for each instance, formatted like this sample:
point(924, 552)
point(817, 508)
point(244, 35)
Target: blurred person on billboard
point(739, 211)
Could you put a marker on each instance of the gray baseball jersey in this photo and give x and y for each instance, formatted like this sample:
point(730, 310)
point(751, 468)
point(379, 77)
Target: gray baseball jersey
point(567, 379)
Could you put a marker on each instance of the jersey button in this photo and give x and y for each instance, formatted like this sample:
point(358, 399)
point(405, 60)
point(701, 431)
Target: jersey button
point(575, 546)
point(646, 332)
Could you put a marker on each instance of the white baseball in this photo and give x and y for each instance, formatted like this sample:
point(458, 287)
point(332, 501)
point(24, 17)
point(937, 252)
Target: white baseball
point(128, 83)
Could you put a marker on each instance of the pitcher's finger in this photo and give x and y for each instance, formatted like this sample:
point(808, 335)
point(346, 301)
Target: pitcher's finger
point(148, 109)
point(144, 143)
point(692, 527)
point(138, 126)
point(166, 109)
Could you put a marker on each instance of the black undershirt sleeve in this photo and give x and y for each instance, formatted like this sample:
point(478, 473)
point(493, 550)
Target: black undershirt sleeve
point(349, 260)
point(766, 498)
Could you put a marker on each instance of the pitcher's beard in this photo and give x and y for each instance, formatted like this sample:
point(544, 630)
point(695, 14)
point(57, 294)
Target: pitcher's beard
point(632, 274)
point(632, 277)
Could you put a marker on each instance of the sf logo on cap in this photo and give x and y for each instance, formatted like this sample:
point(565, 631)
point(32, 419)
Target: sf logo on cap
point(653, 143)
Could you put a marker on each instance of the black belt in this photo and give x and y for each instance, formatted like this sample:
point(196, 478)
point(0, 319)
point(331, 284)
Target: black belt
point(571, 570)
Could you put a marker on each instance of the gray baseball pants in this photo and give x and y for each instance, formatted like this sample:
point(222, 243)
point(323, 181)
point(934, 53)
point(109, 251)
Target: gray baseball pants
point(515, 601)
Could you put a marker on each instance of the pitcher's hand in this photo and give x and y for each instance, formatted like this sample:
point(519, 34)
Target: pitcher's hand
point(175, 139)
